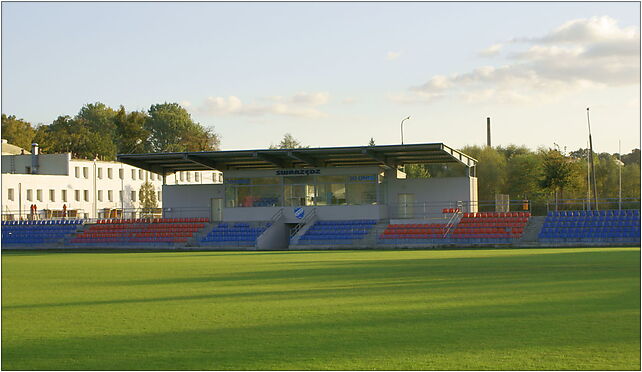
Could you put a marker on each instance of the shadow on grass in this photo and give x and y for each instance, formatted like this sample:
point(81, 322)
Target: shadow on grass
point(381, 277)
point(391, 339)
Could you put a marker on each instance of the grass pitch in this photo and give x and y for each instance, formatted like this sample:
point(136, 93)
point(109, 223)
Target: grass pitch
point(473, 309)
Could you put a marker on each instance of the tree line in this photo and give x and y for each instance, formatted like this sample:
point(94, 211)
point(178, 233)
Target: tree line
point(537, 175)
point(99, 131)
point(543, 174)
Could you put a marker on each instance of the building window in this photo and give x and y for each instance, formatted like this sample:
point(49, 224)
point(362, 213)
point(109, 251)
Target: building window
point(181, 176)
point(110, 173)
point(140, 174)
point(64, 195)
point(151, 176)
point(30, 195)
point(160, 196)
point(100, 173)
point(133, 196)
point(39, 195)
point(133, 174)
point(52, 195)
point(110, 195)
point(120, 195)
point(100, 195)
point(189, 176)
point(77, 172)
point(121, 173)
point(85, 172)
point(77, 195)
point(197, 176)
point(10, 194)
point(86, 195)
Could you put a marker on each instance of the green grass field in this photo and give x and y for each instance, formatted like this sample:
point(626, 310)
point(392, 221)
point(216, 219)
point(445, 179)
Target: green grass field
point(469, 309)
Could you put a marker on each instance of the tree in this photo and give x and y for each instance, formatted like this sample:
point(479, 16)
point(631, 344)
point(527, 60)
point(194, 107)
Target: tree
point(559, 173)
point(288, 142)
point(131, 135)
point(523, 172)
point(631, 181)
point(148, 200)
point(98, 118)
point(633, 157)
point(372, 142)
point(17, 131)
point(414, 171)
point(491, 171)
point(172, 129)
point(70, 135)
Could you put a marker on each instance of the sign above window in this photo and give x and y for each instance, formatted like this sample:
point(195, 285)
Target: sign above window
point(297, 172)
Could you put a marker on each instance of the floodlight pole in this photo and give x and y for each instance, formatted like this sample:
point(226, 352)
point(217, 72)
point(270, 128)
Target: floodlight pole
point(620, 166)
point(404, 119)
point(591, 159)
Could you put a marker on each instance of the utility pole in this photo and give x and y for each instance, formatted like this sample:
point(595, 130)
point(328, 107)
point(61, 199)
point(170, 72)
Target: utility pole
point(591, 159)
point(488, 132)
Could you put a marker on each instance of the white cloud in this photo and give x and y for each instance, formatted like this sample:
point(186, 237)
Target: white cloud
point(314, 99)
point(589, 30)
point(348, 100)
point(392, 55)
point(492, 50)
point(583, 53)
point(300, 105)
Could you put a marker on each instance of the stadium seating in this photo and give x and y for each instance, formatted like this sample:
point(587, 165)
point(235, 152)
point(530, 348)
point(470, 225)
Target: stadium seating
point(473, 228)
point(591, 226)
point(157, 231)
point(413, 233)
point(234, 234)
point(337, 232)
point(37, 232)
point(490, 227)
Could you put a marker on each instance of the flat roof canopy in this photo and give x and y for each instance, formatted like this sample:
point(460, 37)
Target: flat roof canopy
point(389, 156)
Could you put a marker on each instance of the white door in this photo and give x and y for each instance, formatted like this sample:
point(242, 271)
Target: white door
point(406, 207)
point(216, 209)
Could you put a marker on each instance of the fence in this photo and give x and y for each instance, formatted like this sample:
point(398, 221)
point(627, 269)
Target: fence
point(430, 212)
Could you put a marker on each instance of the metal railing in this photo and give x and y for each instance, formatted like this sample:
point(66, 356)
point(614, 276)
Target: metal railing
point(308, 217)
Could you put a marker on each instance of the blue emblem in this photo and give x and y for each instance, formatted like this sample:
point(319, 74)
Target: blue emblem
point(299, 212)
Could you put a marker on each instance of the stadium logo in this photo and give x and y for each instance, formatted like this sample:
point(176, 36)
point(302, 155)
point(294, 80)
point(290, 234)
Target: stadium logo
point(299, 212)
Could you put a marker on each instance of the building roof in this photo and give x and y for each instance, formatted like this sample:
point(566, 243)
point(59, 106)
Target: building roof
point(389, 156)
point(9, 149)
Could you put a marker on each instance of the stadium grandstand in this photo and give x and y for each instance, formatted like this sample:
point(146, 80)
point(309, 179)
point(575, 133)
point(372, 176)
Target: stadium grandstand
point(324, 198)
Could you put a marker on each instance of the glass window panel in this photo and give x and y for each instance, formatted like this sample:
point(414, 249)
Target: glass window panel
point(361, 193)
point(265, 180)
point(331, 179)
point(298, 180)
point(331, 194)
point(266, 196)
point(231, 196)
point(299, 195)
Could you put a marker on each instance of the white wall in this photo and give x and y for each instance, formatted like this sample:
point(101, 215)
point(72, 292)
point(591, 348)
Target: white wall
point(433, 192)
point(190, 200)
point(97, 184)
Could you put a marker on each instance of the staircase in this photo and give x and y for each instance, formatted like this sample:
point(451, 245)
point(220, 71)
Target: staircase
point(531, 231)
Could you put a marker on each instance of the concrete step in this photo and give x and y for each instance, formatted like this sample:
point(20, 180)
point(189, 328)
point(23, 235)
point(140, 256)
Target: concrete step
point(532, 229)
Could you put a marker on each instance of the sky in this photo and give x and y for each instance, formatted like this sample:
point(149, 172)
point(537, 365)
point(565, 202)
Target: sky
point(337, 74)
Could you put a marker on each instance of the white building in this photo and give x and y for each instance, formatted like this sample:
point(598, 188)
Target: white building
point(87, 188)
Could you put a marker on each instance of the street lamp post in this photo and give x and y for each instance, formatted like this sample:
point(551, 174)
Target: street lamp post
point(404, 119)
